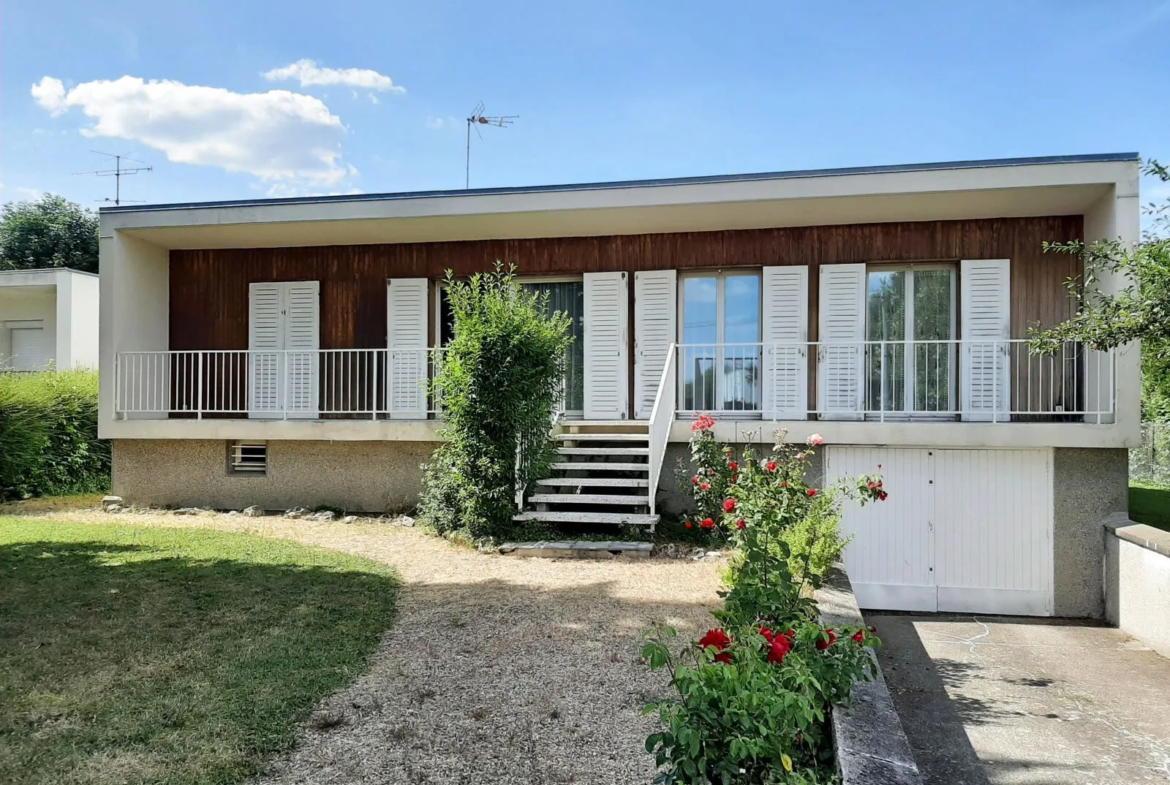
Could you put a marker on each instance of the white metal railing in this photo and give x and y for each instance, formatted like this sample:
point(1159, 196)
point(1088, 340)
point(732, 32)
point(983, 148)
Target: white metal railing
point(661, 418)
point(980, 380)
point(323, 383)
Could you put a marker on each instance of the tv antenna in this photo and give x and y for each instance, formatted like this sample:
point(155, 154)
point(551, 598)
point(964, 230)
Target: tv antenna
point(477, 119)
point(118, 172)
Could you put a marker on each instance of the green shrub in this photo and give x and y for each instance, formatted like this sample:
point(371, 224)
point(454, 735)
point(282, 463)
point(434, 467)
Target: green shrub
point(498, 387)
point(48, 435)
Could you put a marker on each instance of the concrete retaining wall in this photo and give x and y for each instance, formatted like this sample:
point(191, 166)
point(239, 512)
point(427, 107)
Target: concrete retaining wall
point(871, 747)
point(1137, 581)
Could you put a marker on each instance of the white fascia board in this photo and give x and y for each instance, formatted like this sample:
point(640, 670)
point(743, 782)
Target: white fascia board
point(273, 430)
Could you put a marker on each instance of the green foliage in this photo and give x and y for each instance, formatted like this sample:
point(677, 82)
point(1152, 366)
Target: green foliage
point(753, 697)
point(714, 470)
point(1139, 310)
point(498, 386)
point(51, 232)
point(48, 435)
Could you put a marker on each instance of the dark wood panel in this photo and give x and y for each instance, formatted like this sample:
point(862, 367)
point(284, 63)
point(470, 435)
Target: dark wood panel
point(209, 289)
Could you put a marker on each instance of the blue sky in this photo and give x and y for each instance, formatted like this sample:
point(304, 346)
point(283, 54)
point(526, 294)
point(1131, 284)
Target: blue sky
point(604, 90)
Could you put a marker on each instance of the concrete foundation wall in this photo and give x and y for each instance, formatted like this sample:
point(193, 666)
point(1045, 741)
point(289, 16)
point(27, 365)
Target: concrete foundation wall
point(356, 476)
point(1088, 486)
point(1137, 581)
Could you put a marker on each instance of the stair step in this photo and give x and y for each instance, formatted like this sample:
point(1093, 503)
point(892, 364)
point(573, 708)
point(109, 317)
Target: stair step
point(588, 498)
point(605, 423)
point(602, 437)
point(607, 482)
point(589, 517)
point(603, 466)
point(604, 450)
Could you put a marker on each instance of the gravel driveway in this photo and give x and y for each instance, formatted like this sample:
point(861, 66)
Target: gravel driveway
point(497, 669)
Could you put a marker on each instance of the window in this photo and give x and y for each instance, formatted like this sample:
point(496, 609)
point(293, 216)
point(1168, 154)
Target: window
point(720, 341)
point(249, 458)
point(910, 330)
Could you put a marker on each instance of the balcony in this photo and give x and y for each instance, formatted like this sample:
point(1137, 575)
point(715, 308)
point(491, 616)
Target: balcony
point(322, 384)
point(1001, 381)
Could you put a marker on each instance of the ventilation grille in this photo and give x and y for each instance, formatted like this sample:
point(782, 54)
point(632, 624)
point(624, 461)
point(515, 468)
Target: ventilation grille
point(248, 457)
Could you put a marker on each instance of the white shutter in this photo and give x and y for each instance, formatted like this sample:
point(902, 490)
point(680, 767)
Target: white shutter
point(655, 310)
point(606, 317)
point(302, 331)
point(985, 291)
point(30, 349)
point(406, 348)
point(842, 335)
point(265, 341)
point(785, 336)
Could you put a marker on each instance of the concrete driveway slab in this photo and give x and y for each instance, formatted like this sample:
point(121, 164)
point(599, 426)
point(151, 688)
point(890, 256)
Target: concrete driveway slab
point(993, 700)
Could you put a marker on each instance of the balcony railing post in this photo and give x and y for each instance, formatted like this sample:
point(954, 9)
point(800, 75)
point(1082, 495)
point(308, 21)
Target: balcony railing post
point(882, 373)
point(199, 387)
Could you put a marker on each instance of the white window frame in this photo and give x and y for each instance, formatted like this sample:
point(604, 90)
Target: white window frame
point(909, 372)
point(721, 274)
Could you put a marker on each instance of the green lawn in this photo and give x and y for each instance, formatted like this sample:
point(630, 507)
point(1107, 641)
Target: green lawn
point(1150, 505)
point(139, 655)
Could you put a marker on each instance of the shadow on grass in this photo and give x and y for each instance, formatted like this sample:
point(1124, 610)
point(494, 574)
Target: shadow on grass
point(153, 662)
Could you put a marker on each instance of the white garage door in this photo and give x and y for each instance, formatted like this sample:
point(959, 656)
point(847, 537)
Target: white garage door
point(962, 530)
point(30, 349)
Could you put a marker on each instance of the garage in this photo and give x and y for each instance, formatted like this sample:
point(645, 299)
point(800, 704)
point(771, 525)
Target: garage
point(963, 530)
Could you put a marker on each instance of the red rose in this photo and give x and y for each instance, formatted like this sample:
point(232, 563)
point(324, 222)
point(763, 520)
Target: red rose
point(741, 524)
point(768, 634)
point(716, 639)
point(778, 650)
point(771, 466)
point(729, 505)
point(882, 496)
point(704, 487)
point(812, 492)
point(687, 524)
point(733, 466)
point(871, 485)
point(724, 658)
point(859, 636)
point(826, 640)
point(695, 480)
point(707, 523)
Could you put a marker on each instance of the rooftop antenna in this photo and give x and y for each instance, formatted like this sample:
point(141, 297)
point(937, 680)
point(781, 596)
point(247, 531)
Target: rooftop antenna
point(118, 172)
point(477, 119)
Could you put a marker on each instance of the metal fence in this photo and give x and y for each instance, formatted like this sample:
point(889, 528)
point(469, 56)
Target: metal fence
point(1151, 462)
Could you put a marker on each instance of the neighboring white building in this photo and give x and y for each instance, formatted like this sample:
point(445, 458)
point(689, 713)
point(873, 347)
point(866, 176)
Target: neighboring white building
point(48, 318)
point(275, 351)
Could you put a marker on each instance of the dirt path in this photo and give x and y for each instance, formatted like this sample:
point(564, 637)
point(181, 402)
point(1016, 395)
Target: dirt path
point(497, 669)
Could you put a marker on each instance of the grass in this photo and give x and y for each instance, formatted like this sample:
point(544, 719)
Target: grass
point(139, 655)
point(1150, 504)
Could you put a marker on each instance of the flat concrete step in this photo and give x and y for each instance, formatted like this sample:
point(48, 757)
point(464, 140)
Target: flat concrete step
point(602, 437)
point(581, 549)
point(588, 498)
point(604, 466)
point(630, 518)
point(600, 482)
point(603, 450)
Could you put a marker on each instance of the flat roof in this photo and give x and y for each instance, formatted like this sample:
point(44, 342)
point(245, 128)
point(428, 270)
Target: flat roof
point(653, 183)
point(47, 270)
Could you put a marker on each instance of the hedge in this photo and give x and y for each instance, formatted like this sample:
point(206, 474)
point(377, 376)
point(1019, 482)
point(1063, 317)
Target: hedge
point(48, 435)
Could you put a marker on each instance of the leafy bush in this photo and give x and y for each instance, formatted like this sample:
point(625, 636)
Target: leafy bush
point(48, 435)
point(498, 387)
point(714, 470)
point(752, 702)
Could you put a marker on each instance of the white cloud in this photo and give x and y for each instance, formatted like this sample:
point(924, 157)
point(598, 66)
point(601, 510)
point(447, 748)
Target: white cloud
point(309, 74)
point(439, 123)
point(276, 136)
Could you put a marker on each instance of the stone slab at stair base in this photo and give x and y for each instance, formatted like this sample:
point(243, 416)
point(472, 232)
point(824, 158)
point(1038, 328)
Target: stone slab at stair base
point(578, 549)
point(871, 747)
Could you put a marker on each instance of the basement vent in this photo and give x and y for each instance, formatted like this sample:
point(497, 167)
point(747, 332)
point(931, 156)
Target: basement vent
point(248, 458)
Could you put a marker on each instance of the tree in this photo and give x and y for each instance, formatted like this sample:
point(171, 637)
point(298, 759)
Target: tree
point(51, 232)
point(1138, 311)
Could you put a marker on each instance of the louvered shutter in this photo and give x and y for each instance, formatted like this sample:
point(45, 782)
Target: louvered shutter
point(842, 335)
point(985, 291)
point(655, 309)
point(406, 348)
point(30, 349)
point(265, 342)
point(606, 356)
point(302, 331)
point(785, 336)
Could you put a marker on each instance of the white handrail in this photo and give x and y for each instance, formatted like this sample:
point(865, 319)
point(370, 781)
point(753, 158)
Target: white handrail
point(661, 418)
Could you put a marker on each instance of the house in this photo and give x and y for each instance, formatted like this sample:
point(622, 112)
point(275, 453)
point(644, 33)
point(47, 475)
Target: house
point(48, 319)
point(275, 352)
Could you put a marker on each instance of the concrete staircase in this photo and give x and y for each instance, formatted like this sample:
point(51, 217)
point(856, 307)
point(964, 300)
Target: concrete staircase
point(602, 476)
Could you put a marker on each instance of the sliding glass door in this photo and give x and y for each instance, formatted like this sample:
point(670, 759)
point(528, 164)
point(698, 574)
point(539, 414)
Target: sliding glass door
point(910, 326)
point(719, 354)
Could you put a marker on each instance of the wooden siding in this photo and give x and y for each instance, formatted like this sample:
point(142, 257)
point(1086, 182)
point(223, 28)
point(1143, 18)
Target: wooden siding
point(209, 288)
